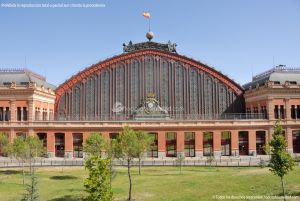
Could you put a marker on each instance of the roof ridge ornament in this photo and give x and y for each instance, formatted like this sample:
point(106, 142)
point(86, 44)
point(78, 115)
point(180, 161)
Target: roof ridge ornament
point(167, 47)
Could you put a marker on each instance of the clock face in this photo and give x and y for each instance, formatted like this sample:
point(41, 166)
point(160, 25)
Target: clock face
point(150, 105)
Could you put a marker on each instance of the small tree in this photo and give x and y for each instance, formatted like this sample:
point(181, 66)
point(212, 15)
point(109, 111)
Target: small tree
point(127, 143)
point(31, 190)
point(94, 145)
point(19, 151)
point(34, 149)
point(113, 151)
point(281, 161)
point(180, 160)
point(143, 144)
point(4, 144)
point(98, 184)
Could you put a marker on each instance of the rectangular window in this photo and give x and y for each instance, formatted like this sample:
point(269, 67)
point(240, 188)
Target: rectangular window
point(171, 144)
point(113, 135)
point(293, 112)
point(59, 144)
point(1, 114)
point(25, 117)
point(189, 144)
point(276, 112)
point(282, 112)
point(298, 111)
point(296, 141)
point(243, 143)
point(153, 152)
point(77, 145)
point(19, 113)
point(260, 142)
point(226, 143)
point(43, 138)
point(207, 143)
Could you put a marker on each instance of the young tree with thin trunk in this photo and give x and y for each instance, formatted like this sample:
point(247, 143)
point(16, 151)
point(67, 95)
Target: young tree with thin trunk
point(143, 145)
point(113, 151)
point(4, 144)
point(127, 142)
point(19, 151)
point(281, 161)
point(98, 183)
point(34, 149)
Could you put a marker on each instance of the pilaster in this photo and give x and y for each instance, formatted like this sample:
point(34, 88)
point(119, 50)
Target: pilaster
point(217, 143)
point(270, 109)
point(180, 142)
point(13, 110)
point(252, 142)
point(199, 144)
point(51, 144)
point(289, 139)
point(287, 109)
point(161, 144)
point(68, 144)
point(30, 110)
point(234, 143)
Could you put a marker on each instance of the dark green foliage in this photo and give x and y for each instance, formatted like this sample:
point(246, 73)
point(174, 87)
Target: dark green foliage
point(281, 161)
point(97, 185)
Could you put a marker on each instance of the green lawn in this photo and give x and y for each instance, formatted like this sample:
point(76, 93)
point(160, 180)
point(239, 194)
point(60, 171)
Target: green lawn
point(156, 183)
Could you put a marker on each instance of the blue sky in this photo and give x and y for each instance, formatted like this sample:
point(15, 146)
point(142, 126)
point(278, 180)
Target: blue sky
point(239, 38)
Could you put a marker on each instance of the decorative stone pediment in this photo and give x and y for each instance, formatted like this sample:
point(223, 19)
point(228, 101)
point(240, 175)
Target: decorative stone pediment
point(13, 85)
point(169, 47)
point(32, 85)
point(150, 109)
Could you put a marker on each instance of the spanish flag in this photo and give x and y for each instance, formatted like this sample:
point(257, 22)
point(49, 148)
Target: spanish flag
point(146, 15)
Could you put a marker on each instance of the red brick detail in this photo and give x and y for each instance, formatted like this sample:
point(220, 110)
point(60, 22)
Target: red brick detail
point(68, 141)
point(161, 141)
point(234, 140)
point(180, 141)
point(198, 141)
point(51, 142)
point(217, 140)
point(252, 140)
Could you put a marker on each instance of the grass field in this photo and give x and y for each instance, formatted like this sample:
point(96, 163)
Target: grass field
point(156, 183)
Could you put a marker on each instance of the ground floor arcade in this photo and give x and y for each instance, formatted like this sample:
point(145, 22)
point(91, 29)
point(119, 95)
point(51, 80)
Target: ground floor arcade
point(168, 143)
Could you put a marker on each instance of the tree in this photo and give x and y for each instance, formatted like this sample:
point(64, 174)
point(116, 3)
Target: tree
point(113, 151)
point(143, 144)
point(180, 160)
point(127, 143)
point(94, 145)
point(281, 161)
point(34, 149)
point(4, 144)
point(31, 190)
point(19, 151)
point(98, 184)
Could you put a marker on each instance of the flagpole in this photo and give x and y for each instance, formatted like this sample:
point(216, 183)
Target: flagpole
point(149, 24)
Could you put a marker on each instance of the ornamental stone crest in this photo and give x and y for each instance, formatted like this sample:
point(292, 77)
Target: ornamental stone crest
point(150, 108)
point(169, 47)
